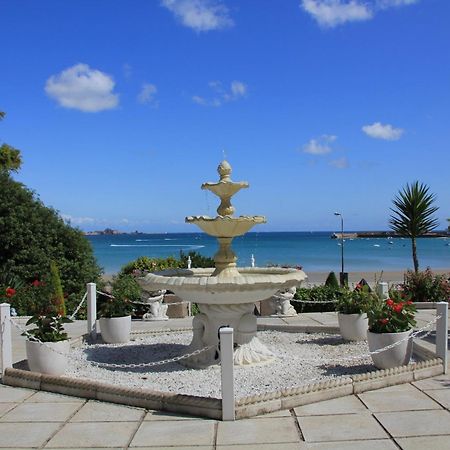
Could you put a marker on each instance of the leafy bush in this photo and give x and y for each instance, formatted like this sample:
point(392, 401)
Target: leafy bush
point(197, 260)
point(316, 294)
point(332, 281)
point(32, 235)
point(49, 328)
point(126, 287)
point(426, 287)
point(125, 290)
point(358, 301)
point(394, 315)
point(146, 264)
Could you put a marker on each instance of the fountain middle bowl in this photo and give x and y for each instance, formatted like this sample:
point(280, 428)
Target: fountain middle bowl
point(197, 285)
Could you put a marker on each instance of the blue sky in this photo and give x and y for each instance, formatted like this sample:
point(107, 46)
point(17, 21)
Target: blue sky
point(122, 109)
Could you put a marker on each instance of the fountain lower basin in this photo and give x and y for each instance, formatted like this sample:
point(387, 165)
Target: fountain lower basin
point(225, 301)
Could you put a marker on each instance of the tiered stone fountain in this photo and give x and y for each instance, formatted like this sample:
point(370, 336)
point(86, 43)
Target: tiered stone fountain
point(226, 294)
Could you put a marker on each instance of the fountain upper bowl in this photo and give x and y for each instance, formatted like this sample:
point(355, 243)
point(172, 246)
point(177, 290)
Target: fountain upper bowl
point(197, 285)
point(226, 226)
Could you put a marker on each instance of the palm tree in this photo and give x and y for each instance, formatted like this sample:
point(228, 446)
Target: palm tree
point(412, 214)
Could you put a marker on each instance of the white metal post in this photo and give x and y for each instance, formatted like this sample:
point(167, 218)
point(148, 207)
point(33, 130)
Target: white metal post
point(5, 336)
point(382, 290)
point(442, 333)
point(92, 310)
point(227, 369)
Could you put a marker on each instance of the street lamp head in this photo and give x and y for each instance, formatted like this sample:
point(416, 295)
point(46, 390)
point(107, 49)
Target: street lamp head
point(337, 214)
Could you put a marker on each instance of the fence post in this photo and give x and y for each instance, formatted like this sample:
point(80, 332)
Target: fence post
point(382, 290)
point(92, 310)
point(5, 336)
point(227, 371)
point(442, 333)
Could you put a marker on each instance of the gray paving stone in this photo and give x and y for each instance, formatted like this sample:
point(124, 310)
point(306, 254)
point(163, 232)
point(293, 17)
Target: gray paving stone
point(281, 413)
point(5, 407)
point(174, 433)
point(375, 444)
point(342, 427)
point(26, 435)
point(40, 412)
point(398, 400)
point(13, 394)
point(429, 442)
point(415, 423)
point(439, 382)
point(255, 431)
point(282, 446)
point(344, 405)
point(441, 395)
point(107, 412)
point(182, 447)
point(92, 435)
point(50, 397)
point(163, 415)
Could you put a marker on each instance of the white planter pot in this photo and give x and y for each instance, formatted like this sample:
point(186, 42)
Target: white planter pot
point(394, 357)
point(115, 330)
point(353, 327)
point(41, 358)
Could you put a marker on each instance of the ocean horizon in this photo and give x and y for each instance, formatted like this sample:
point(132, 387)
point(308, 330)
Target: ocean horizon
point(314, 251)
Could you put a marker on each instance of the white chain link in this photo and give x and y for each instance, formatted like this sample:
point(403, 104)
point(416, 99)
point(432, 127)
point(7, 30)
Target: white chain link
point(318, 302)
point(112, 365)
point(72, 317)
point(140, 303)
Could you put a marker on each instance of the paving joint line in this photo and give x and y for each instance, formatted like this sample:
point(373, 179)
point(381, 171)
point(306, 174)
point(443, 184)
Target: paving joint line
point(216, 433)
point(139, 423)
point(63, 424)
point(297, 425)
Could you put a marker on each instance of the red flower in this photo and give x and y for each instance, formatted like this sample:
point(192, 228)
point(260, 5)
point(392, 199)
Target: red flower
point(398, 307)
point(384, 321)
point(409, 302)
point(390, 302)
point(10, 292)
point(36, 283)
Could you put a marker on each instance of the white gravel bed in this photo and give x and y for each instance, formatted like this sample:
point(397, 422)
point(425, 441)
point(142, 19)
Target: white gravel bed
point(301, 359)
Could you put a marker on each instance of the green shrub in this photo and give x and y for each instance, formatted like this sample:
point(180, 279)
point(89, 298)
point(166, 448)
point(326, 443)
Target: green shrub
point(57, 298)
point(358, 301)
point(197, 260)
point(332, 281)
point(146, 264)
point(426, 287)
point(316, 294)
point(32, 235)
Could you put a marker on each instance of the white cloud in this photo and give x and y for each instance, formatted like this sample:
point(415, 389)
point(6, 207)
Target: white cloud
point(83, 88)
point(237, 90)
point(320, 145)
point(200, 15)
point(379, 131)
point(147, 94)
point(340, 163)
point(330, 13)
point(78, 220)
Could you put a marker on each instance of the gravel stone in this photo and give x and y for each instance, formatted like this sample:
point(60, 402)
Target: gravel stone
point(302, 358)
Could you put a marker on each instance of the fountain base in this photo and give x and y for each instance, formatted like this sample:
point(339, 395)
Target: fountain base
point(249, 349)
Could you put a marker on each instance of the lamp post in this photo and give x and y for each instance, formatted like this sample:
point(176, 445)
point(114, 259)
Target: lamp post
point(343, 277)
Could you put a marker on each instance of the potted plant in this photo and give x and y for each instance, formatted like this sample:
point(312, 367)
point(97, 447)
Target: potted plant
point(48, 344)
point(115, 310)
point(390, 321)
point(352, 307)
point(48, 352)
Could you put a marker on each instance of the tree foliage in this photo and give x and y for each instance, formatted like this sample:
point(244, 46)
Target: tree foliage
point(412, 214)
point(32, 235)
point(10, 159)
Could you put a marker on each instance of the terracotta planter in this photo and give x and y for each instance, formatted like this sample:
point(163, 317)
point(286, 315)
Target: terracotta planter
point(43, 359)
point(353, 327)
point(399, 355)
point(115, 330)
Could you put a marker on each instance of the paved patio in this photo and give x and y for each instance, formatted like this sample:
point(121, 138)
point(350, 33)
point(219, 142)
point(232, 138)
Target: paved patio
point(409, 416)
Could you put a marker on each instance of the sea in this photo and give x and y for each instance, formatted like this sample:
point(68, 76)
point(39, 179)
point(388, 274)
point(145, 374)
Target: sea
point(313, 251)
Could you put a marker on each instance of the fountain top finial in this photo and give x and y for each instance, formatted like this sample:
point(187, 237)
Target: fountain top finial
point(224, 170)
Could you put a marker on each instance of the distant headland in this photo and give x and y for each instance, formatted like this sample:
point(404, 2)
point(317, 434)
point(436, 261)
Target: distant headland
point(386, 234)
point(109, 232)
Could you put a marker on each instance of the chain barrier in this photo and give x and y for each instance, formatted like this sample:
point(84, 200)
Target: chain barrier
point(413, 335)
point(72, 317)
point(318, 302)
point(112, 365)
point(141, 303)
